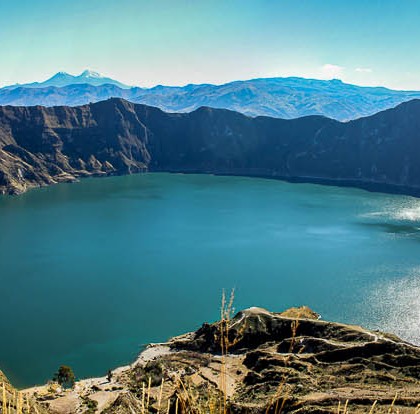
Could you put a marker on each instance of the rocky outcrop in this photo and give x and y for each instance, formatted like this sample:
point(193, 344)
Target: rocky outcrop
point(41, 146)
point(271, 363)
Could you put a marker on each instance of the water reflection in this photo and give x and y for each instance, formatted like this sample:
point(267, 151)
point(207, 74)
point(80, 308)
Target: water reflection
point(394, 306)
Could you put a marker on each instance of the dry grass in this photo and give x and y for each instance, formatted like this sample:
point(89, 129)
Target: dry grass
point(189, 401)
point(177, 395)
point(15, 402)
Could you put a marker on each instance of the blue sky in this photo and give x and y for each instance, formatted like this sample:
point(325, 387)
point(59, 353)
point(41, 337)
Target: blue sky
point(149, 42)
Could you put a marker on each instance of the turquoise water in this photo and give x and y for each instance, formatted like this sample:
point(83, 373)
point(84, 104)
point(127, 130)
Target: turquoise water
point(92, 271)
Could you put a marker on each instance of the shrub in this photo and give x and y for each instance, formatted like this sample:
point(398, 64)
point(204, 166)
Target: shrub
point(65, 376)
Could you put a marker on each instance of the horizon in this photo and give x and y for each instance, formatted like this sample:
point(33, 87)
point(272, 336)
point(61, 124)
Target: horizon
point(103, 75)
point(162, 43)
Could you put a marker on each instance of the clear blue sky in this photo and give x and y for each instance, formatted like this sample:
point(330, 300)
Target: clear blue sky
point(148, 42)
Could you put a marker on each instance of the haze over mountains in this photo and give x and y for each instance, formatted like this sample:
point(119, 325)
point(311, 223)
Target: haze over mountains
point(276, 97)
point(41, 146)
point(60, 79)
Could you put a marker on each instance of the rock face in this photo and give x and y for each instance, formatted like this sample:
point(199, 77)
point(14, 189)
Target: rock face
point(41, 146)
point(271, 361)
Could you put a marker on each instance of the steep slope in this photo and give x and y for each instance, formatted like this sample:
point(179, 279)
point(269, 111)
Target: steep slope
point(40, 146)
point(288, 359)
point(277, 97)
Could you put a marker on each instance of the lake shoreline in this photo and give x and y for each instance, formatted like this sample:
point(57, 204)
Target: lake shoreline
point(268, 346)
point(370, 186)
point(140, 230)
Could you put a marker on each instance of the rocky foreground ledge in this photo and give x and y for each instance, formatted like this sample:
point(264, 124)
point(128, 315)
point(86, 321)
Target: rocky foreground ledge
point(272, 362)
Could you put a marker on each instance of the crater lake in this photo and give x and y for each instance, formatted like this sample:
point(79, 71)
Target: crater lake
point(90, 272)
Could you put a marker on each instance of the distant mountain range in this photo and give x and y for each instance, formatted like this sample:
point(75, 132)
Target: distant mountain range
point(62, 79)
point(41, 146)
point(276, 97)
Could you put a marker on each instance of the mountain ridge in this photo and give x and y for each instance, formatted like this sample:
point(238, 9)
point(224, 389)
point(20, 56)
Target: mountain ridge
point(41, 146)
point(286, 98)
point(62, 79)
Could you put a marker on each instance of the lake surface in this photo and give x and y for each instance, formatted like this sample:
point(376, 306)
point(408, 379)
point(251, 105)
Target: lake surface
point(91, 271)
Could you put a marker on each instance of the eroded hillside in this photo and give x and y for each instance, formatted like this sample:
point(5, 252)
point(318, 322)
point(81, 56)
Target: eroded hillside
point(257, 362)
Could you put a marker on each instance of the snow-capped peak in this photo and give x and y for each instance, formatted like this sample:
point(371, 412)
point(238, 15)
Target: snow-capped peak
point(61, 74)
point(90, 74)
point(87, 77)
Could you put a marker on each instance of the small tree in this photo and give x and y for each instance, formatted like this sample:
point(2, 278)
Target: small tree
point(109, 375)
point(65, 376)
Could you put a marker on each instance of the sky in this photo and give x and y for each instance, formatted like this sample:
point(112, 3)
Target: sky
point(176, 42)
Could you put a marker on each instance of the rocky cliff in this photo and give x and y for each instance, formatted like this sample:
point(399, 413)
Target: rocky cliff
point(41, 146)
point(271, 362)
